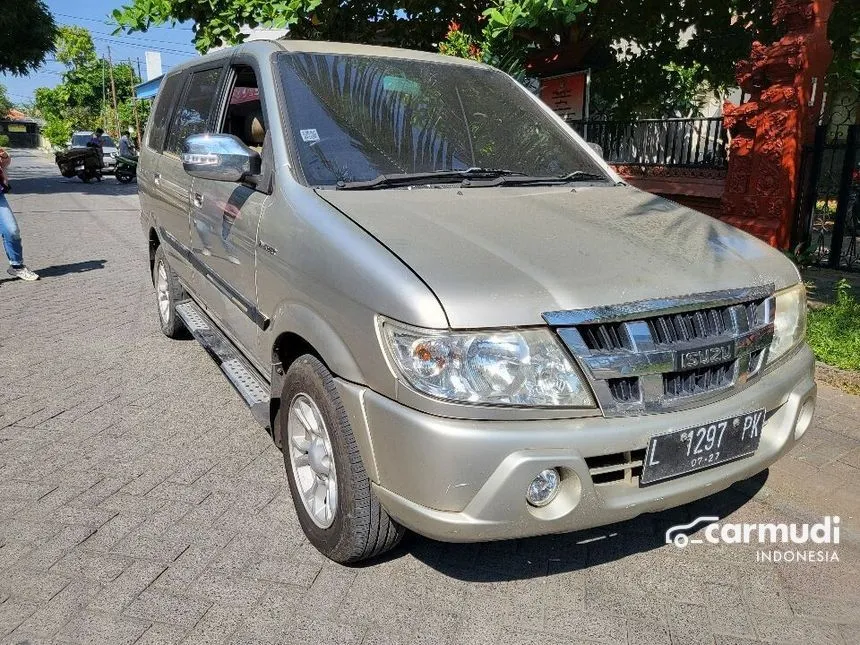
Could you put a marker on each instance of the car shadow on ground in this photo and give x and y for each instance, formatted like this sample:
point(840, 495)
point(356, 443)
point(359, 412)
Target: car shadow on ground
point(540, 556)
point(58, 270)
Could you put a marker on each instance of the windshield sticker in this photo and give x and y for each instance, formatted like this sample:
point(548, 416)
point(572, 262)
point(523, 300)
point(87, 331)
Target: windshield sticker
point(309, 136)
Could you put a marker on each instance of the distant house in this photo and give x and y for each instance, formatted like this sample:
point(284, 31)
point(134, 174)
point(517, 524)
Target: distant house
point(23, 132)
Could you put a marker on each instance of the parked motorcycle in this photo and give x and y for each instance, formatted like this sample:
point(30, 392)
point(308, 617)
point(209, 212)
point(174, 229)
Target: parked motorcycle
point(126, 169)
point(83, 163)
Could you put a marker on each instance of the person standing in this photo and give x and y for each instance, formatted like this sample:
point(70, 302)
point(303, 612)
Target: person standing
point(97, 143)
point(9, 227)
point(125, 147)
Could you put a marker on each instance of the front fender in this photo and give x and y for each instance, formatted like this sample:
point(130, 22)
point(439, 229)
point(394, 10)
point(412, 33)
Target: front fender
point(299, 319)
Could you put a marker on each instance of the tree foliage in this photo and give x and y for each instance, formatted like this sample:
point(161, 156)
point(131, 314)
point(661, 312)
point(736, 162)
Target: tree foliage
point(649, 57)
point(27, 33)
point(416, 24)
point(5, 103)
point(83, 100)
point(844, 33)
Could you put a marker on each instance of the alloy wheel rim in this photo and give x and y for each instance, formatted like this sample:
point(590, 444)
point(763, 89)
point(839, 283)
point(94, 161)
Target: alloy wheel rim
point(312, 460)
point(163, 292)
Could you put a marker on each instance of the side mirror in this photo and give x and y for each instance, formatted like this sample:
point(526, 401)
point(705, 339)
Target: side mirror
point(221, 157)
point(596, 147)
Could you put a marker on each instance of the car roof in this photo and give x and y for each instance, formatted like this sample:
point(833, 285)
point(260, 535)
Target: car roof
point(266, 47)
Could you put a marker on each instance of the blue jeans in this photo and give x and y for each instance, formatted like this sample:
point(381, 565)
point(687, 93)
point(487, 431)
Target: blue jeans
point(11, 234)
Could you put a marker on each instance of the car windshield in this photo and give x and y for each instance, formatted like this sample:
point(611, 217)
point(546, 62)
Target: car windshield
point(355, 118)
point(81, 140)
point(107, 142)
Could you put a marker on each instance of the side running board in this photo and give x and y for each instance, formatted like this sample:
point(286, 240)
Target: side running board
point(247, 381)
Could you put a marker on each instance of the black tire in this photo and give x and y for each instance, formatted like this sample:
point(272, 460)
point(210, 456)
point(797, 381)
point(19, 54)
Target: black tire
point(361, 528)
point(172, 326)
point(123, 178)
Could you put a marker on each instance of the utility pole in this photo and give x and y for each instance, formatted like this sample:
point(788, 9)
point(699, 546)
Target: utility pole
point(113, 91)
point(104, 93)
point(134, 104)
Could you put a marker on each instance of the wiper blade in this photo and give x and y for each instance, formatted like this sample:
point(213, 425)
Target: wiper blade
point(438, 176)
point(526, 180)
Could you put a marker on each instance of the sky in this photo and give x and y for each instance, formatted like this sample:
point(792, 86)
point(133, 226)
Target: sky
point(174, 43)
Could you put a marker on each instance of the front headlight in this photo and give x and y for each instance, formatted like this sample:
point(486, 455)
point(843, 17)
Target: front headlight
point(501, 367)
point(789, 324)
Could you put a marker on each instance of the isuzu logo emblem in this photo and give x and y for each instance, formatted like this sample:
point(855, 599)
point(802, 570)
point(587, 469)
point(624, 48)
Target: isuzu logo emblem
point(703, 356)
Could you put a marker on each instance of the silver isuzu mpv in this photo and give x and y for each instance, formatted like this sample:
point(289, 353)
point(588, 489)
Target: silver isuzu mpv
point(451, 313)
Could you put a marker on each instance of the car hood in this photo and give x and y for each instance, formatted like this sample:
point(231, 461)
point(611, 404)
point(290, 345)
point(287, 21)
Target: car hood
point(503, 256)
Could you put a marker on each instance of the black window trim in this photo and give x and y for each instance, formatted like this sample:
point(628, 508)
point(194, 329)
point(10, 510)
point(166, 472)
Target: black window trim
point(240, 59)
point(189, 75)
point(171, 107)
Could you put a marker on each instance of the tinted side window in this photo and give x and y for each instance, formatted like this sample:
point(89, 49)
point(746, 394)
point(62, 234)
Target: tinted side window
point(165, 100)
point(194, 113)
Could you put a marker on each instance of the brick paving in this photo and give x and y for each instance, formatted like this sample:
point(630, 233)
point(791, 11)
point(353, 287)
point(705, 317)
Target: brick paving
point(140, 503)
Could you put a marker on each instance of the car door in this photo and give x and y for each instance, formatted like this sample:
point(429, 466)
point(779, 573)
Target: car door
point(193, 114)
point(225, 216)
point(160, 206)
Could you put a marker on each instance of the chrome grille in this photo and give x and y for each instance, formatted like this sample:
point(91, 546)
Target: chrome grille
point(625, 390)
point(692, 325)
point(605, 338)
point(659, 355)
point(617, 467)
point(698, 381)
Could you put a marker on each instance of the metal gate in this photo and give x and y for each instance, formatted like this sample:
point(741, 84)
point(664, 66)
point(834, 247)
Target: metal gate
point(827, 222)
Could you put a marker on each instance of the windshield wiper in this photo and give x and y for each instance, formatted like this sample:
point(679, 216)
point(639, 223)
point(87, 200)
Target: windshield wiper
point(438, 176)
point(526, 180)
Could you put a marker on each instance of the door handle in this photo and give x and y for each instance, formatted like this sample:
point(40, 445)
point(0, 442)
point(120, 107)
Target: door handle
point(157, 179)
point(197, 200)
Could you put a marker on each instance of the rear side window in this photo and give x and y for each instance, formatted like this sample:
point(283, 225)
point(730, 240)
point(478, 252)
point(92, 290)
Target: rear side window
point(160, 115)
point(193, 115)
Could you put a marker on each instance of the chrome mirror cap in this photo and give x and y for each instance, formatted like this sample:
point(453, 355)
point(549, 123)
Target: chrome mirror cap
point(221, 157)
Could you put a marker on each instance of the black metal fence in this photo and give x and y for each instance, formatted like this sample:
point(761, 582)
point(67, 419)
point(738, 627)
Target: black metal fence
point(827, 220)
point(827, 225)
point(666, 142)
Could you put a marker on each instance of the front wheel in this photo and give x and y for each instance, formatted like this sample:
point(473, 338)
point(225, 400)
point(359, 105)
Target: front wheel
point(331, 491)
point(123, 178)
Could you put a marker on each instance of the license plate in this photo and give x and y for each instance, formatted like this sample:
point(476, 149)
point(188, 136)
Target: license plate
point(691, 449)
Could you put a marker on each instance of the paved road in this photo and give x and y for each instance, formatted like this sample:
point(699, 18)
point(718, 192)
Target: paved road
point(140, 503)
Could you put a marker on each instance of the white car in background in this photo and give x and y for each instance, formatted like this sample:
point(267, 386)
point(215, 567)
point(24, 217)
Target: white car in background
point(109, 147)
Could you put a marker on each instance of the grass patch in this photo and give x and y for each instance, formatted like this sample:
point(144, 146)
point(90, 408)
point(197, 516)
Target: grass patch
point(834, 330)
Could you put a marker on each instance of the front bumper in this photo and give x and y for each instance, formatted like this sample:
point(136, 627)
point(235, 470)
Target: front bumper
point(464, 480)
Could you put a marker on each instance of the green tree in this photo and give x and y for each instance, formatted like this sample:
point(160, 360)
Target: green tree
point(82, 101)
point(414, 24)
point(650, 57)
point(27, 33)
point(5, 103)
point(844, 33)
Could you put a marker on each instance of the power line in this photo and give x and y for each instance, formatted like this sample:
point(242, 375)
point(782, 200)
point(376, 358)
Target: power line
point(139, 40)
point(116, 41)
point(106, 23)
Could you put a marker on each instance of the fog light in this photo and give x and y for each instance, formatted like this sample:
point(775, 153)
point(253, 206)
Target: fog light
point(543, 488)
point(804, 419)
